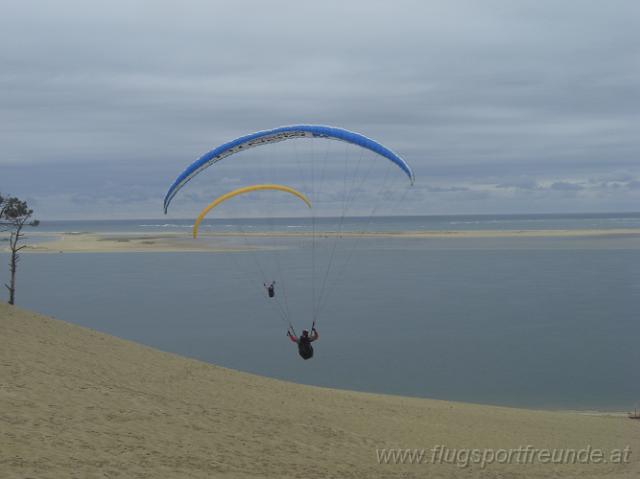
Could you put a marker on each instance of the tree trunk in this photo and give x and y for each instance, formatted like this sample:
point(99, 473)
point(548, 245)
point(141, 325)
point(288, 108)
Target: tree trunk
point(13, 263)
point(13, 266)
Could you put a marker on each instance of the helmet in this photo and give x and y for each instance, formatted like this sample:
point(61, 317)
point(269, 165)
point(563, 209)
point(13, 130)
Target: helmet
point(305, 332)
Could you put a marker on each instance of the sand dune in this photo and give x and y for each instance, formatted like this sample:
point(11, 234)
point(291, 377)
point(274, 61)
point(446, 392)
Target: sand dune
point(78, 403)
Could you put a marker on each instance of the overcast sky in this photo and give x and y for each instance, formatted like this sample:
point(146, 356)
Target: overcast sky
point(499, 106)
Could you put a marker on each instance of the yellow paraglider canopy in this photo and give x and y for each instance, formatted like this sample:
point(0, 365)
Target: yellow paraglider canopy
point(240, 191)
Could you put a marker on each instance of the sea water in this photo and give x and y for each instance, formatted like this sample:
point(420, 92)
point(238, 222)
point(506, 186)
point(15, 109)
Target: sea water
point(384, 223)
point(536, 322)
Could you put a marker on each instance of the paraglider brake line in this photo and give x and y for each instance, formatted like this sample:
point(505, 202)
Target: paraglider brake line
point(293, 331)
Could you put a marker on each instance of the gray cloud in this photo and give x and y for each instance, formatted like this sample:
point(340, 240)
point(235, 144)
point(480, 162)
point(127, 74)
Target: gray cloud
point(565, 186)
point(445, 189)
point(486, 100)
point(523, 183)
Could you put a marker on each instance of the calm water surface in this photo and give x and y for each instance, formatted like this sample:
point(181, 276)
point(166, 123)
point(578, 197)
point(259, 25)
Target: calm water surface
point(549, 323)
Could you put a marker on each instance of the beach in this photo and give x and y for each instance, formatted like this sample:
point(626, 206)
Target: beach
point(92, 242)
point(76, 402)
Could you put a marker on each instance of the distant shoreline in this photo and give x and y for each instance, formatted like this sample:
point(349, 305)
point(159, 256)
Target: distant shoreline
point(189, 219)
point(111, 242)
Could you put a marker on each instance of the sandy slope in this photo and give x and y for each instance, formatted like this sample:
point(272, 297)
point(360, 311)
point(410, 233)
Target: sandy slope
point(77, 403)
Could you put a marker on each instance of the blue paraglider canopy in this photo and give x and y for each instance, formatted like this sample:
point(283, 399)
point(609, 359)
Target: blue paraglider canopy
point(281, 134)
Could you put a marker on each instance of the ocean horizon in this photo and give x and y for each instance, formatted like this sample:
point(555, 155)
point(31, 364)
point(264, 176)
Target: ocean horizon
point(461, 222)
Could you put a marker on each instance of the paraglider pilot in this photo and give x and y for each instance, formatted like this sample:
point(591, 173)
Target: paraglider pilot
point(271, 288)
point(305, 350)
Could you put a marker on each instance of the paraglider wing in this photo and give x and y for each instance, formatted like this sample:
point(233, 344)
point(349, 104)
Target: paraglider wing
point(240, 191)
point(281, 134)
